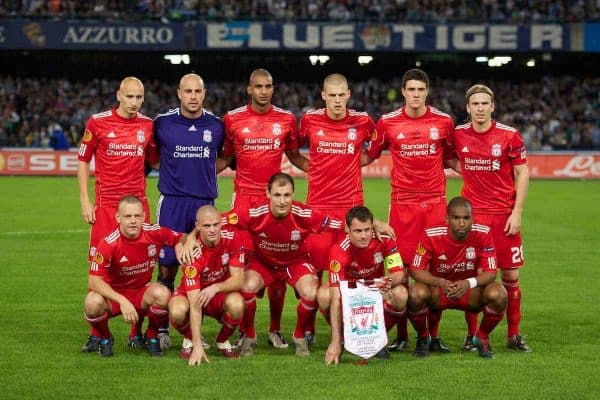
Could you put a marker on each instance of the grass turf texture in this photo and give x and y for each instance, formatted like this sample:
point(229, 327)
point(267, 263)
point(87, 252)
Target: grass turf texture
point(43, 281)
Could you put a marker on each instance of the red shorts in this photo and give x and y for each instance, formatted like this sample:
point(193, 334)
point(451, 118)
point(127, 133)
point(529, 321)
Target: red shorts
point(106, 223)
point(410, 220)
point(135, 296)
point(460, 304)
point(214, 308)
point(509, 249)
point(291, 274)
point(318, 245)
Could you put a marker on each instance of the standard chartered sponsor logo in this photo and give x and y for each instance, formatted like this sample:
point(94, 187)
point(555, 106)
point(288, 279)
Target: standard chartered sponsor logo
point(124, 150)
point(137, 269)
point(191, 152)
point(327, 147)
point(274, 246)
point(416, 150)
point(481, 164)
point(254, 144)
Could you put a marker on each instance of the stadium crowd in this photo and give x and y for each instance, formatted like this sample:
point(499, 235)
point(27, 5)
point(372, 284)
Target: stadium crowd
point(428, 11)
point(561, 113)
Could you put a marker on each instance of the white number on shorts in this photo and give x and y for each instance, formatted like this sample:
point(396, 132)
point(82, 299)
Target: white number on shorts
point(517, 254)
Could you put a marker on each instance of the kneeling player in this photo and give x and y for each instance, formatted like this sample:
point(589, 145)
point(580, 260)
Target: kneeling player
point(210, 285)
point(455, 267)
point(361, 256)
point(119, 280)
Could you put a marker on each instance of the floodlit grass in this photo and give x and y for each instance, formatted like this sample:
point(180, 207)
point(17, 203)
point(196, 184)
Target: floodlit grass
point(43, 275)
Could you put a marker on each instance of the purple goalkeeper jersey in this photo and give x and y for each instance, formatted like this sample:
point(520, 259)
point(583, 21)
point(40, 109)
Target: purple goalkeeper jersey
point(188, 153)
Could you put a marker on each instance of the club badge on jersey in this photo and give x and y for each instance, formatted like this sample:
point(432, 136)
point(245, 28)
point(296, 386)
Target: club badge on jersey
point(363, 321)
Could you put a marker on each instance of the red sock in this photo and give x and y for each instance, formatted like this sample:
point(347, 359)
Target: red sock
point(489, 321)
point(99, 325)
point(305, 310)
point(391, 315)
point(419, 322)
point(471, 320)
point(513, 308)
point(276, 294)
point(228, 326)
point(433, 322)
point(249, 314)
point(402, 327)
point(184, 329)
point(156, 318)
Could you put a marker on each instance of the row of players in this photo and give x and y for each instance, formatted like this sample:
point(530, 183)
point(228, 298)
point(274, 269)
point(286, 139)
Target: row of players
point(454, 266)
point(189, 146)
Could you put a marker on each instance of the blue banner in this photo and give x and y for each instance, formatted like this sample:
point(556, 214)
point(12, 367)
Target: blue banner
point(592, 38)
point(241, 35)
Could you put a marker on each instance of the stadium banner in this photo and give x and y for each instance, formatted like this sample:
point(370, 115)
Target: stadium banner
point(63, 35)
point(301, 36)
point(549, 165)
point(591, 38)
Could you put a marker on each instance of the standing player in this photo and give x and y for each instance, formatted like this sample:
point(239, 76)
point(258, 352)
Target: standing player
point(189, 139)
point(119, 279)
point(118, 140)
point(336, 137)
point(210, 285)
point(361, 256)
point(455, 267)
point(417, 136)
point(496, 178)
point(257, 135)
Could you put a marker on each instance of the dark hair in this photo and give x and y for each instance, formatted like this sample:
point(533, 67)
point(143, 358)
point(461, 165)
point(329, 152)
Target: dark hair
point(458, 202)
point(282, 179)
point(415, 74)
point(361, 213)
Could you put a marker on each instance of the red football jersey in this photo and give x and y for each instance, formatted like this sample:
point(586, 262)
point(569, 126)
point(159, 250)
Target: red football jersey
point(211, 264)
point(258, 141)
point(119, 147)
point(418, 147)
point(350, 263)
point(446, 258)
point(487, 160)
point(127, 264)
point(334, 170)
point(279, 243)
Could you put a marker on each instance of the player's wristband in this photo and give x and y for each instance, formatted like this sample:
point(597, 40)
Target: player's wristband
point(472, 282)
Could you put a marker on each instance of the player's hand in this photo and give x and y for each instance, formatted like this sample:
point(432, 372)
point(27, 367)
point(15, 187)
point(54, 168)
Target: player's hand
point(88, 213)
point(446, 286)
point(186, 255)
point(206, 295)
point(383, 284)
point(129, 312)
point(332, 355)
point(197, 356)
point(382, 228)
point(513, 223)
point(459, 288)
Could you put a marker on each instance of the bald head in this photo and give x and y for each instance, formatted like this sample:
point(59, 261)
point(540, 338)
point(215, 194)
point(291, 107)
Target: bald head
point(208, 223)
point(191, 95)
point(260, 73)
point(130, 96)
point(458, 202)
point(335, 79)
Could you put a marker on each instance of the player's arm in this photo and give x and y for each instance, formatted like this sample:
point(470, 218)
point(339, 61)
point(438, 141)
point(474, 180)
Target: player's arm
point(394, 268)
point(383, 229)
point(198, 353)
point(419, 269)
point(97, 284)
point(365, 159)
point(459, 288)
point(297, 159)
point(88, 213)
point(453, 164)
point(513, 223)
point(231, 284)
point(223, 162)
point(335, 309)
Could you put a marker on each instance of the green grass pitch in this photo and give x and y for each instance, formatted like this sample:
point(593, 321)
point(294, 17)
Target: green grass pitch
point(43, 276)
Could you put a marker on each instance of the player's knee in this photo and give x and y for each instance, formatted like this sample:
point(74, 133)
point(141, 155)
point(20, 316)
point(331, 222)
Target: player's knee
point(94, 305)
point(234, 304)
point(178, 310)
point(323, 297)
point(418, 294)
point(160, 294)
point(494, 295)
point(307, 287)
point(399, 296)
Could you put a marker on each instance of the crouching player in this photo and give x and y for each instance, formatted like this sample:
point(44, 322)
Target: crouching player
point(361, 256)
point(455, 267)
point(120, 275)
point(209, 285)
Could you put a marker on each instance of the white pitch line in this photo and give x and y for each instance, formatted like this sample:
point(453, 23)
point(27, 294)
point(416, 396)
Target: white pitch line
point(25, 233)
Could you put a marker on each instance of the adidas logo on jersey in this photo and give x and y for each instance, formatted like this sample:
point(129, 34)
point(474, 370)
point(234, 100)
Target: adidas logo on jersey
point(400, 136)
point(465, 149)
point(111, 135)
point(192, 129)
point(123, 259)
point(442, 257)
point(320, 133)
point(262, 235)
point(246, 130)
